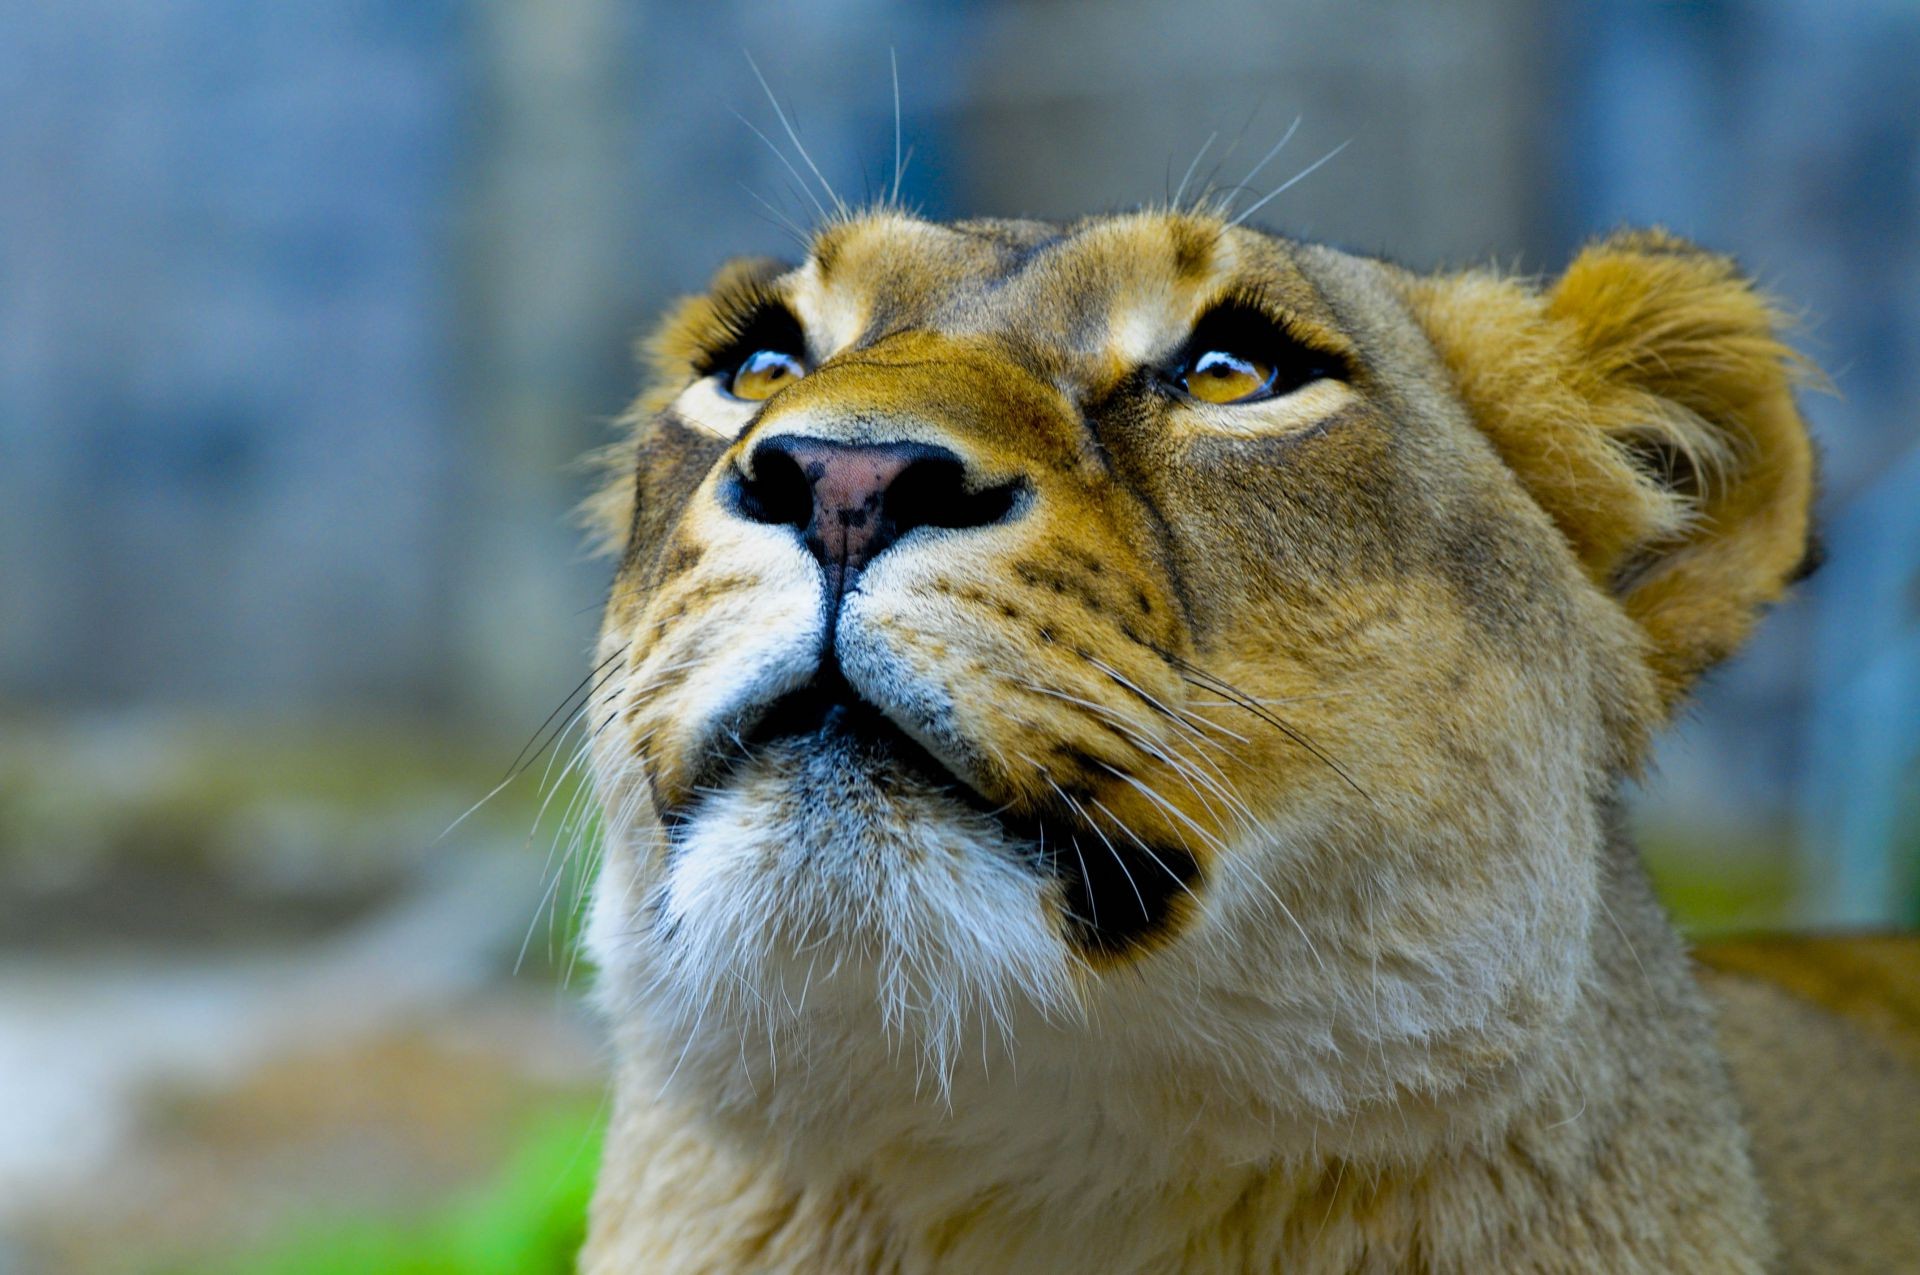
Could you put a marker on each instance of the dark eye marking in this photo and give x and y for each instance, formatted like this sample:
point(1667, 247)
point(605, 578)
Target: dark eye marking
point(765, 329)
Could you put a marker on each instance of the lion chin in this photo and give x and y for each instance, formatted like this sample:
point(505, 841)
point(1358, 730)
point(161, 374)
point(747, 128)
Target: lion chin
point(838, 889)
point(1111, 738)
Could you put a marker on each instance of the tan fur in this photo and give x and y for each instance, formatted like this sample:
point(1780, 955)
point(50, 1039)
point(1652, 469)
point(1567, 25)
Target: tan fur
point(1325, 700)
point(1823, 1038)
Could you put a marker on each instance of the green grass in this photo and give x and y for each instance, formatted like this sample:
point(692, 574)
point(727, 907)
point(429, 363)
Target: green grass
point(529, 1219)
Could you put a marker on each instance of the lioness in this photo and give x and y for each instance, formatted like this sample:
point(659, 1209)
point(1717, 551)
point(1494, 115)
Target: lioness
point(1111, 753)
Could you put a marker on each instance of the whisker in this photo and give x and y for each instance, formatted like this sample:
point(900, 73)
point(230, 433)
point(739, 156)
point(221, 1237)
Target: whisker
point(780, 219)
point(591, 675)
point(1174, 715)
point(893, 61)
point(782, 157)
point(547, 869)
point(1151, 853)
point(1146, 791)
point(1255, 699)
point(1275, 149)
point(1287, 185)
point(1093, 904)
point(523, 761)
point(578, 715)
point(800, 146)
point(1277, 900)
point(906, 162)
point(1200, 677)
point(1207, 187)
point(1153, 700)
point(1118, 861)
point(1164, 753)
point(1181, 190)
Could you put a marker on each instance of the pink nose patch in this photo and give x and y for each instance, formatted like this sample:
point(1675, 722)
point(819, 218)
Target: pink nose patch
point(849, 489)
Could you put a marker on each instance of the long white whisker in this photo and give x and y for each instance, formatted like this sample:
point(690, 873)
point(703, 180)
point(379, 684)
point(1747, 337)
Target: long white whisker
point(906, 161)
point(548, 894)
point(893, 61)
point(1207, 187)
point(1209, 838)
point(1181, 190)
point(1127, 828)
point(785, 222)
point(516, 769)
point(1267, 158)
point(794, 137)
point(1170, 808)
point(1118, 861)
point(1166, 754)
point(1171, 714)
point(1287, 185)
point(782, 157)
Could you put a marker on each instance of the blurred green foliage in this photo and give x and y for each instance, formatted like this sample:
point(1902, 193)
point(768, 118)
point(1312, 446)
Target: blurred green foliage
point(529, 1219)
point(1717, 881)
point(183, 830)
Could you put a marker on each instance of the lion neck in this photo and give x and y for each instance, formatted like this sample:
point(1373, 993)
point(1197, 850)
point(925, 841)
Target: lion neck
point(1616, 1137)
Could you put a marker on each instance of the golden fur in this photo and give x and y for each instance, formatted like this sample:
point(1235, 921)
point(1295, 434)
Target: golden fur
point(1236, 883)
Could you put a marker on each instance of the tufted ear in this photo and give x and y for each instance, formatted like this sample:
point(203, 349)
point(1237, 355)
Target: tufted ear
point(1645, 399)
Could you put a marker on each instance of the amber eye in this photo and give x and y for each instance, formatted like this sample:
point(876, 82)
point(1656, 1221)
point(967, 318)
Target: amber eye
point(764, 373)
point(1221, 376)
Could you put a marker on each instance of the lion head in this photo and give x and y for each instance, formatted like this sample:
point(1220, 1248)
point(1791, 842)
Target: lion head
point(1153, 656)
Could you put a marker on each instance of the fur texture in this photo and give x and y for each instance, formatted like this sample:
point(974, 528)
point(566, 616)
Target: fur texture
point(1227, 876)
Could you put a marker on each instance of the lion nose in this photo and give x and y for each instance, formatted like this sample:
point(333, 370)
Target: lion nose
point(850, 502)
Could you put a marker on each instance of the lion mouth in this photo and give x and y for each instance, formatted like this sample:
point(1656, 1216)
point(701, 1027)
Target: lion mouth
point(829, 709)
point(826, 715)
point(1117, 890)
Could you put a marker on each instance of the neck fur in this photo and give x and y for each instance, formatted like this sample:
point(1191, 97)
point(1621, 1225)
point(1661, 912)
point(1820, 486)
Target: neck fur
point(1613, 1133)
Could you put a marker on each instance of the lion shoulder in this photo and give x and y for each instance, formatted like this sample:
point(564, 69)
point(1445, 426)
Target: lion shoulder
point(1822, 1036)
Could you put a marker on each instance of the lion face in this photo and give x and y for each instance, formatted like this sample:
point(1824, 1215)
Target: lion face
point(1146, 643)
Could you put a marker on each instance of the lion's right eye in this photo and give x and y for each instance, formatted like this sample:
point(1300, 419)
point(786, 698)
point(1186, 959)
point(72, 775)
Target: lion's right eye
point(1238, 354)
point(764, 373)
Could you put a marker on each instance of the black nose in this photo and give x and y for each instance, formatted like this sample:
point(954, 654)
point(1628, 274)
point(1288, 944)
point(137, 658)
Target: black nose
point(851, 501)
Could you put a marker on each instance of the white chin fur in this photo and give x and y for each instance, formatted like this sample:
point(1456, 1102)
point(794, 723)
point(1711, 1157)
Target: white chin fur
point(796, 927)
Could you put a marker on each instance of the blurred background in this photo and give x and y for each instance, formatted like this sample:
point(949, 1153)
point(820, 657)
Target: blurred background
point(307, 309)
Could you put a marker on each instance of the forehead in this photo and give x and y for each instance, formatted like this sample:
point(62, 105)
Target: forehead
point(1121, 286)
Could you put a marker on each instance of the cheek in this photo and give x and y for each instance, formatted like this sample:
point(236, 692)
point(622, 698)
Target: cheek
point(732, 614)
point(1455, 886)
point(673, 465)
point(1292, 523)
point(1389, 707)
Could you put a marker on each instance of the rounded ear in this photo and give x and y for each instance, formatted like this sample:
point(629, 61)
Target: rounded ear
point(1645, 399)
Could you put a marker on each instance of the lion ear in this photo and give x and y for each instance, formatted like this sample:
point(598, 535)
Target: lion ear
point(1645, 399)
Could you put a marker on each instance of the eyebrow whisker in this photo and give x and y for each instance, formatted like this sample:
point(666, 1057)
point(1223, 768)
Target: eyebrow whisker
point(794, 137)
point(893, 196)
point(1181, 190)
point(782, 157)
point(785, 222)
point(1287, 185)
point(1272, 151)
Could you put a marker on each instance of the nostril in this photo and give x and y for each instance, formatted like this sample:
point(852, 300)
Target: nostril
point(932, 492)
point(778, 492)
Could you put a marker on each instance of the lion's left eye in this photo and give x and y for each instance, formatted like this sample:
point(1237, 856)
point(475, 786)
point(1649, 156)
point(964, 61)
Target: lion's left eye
point(1222, 376)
